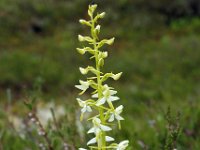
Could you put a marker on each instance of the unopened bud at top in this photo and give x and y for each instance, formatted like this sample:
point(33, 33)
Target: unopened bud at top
point(91, 9)
point(101, 15)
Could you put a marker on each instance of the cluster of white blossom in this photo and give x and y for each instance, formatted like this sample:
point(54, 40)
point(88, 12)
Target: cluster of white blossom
point(103, 96)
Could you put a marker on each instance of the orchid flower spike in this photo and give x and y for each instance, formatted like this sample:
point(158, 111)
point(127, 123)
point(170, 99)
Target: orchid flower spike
point(101, 104)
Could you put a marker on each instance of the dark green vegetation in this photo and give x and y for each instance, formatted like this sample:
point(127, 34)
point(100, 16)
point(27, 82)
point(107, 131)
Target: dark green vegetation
point(157, 50)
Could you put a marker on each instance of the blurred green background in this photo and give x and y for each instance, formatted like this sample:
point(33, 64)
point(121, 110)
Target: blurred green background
point(157, 48)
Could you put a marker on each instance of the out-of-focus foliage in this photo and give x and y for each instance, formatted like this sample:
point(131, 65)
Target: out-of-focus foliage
point(20, 15)
point(26, 15)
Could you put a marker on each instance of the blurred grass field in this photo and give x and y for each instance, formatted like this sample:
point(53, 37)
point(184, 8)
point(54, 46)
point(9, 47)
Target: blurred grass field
point(160, 65)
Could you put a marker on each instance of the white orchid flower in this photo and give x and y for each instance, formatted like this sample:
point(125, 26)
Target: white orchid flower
point(84, 86)
point(84, 105)
point(107, 96)
point(98, 127)
point(122, 145)
point(116, 114)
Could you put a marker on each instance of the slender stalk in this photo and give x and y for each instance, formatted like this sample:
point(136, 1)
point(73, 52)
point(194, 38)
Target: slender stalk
point(102, 143)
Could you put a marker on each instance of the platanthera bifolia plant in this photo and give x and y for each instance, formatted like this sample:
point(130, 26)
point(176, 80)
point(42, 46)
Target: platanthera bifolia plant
point(103, 96)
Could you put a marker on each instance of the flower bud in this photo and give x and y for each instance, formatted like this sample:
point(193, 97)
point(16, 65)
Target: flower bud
point(101, 62)
point(81, 50)
point(91, 9)
point(84, 38)
point(98, 28)
point(84, 22)
point(116, 76)
point(101, 15)
point(104, 54)
point(83, 70)
point(106, 41)
point(81, 38)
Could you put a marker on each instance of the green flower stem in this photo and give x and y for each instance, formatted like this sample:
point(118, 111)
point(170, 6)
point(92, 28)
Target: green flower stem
point(102, 143)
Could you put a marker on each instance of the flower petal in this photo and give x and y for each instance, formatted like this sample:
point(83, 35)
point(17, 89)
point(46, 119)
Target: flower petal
point(92, 141)
point(80, 102)
point(95, 95)
point(118, 117)
point(109, 139)
point(122, 145)
point(92, 130)
point(84, 85)
point(112, 117)
point(105, 128)
point(113, 98)
point(89, 109)
point(112, 92)
point(96, 121)
point(83, 110)
point(101, 101)
point(119, 108)
point(80, 87)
